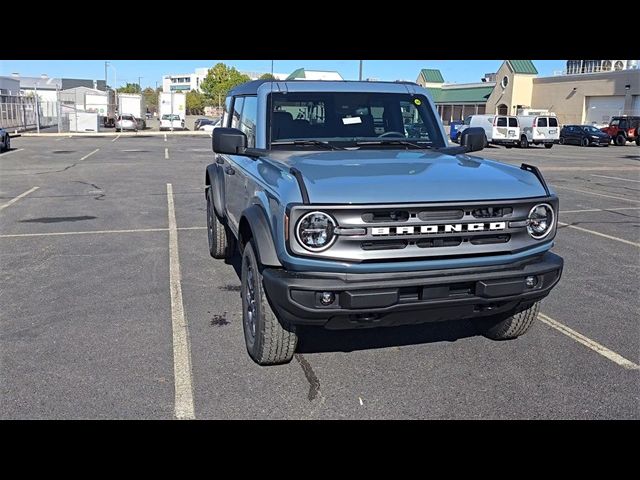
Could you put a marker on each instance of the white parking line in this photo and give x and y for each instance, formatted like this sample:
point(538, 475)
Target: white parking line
point(587, 342)
point(616, 178)
point(115, 138)
point(600, 210)
point(165, 137)
point(89, 232)
point(166, 153)
point(598, 194)
point(610, 237)
point(10, 152)
point(184, 409)
point(192, 228)
point(88, 155)
point(14, 200)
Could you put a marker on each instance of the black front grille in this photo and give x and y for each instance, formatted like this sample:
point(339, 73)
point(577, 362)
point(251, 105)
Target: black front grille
point(385, 216)
point(491, 212)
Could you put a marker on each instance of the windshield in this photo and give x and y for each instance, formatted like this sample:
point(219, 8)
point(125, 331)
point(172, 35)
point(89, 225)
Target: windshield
point(591, 129)
point(350, 117)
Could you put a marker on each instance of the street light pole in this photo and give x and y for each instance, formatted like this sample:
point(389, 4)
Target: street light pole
point(360, 75)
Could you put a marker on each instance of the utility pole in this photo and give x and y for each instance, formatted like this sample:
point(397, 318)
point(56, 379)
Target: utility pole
point(37, 109)
point(360, 76)
point(140, 84)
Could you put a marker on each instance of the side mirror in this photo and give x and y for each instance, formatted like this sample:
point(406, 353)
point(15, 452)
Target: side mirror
point(228, 140)
point(472, 139)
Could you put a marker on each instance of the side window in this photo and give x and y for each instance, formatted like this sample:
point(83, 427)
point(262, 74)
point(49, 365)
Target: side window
point(513, 122)
point(542, 122)
point(553, 122)
point(623, 123)
point(225, 113)
point(238, 103)
point(502, 122)
point(248, 120)
point(467, 121)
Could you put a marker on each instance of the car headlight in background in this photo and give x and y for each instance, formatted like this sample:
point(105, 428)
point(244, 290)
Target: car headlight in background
point(540, 221)
point(315, 231)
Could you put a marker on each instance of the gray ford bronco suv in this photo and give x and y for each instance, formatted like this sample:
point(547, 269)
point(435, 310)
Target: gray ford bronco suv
point(350, 210)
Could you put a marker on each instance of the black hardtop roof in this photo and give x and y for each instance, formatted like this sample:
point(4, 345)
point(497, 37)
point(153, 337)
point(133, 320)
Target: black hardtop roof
point(251, 88)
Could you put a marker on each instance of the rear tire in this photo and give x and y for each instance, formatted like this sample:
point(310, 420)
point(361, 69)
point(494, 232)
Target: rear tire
point(561, 140)
point(548, 145)
point(7, 144)
point(508, 326)
point(524, 142)
point(269, 340)
point(221, 240)
point(621, 140)
point(584, 142)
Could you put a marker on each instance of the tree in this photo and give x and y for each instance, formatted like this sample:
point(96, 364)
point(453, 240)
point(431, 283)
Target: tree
point(130, 88)
point(195, 103)
point(219, 80)
point(267, 76)
point(150, 96)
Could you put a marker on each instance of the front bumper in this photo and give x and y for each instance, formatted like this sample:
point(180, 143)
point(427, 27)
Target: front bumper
point(364, 300)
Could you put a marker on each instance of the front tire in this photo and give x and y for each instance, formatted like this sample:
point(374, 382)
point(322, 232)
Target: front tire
point(269, 340)
point(584, 142)
point(508, 326)
point(621, 140)
point(548, 145)
point(221, 240)
point(562, 140)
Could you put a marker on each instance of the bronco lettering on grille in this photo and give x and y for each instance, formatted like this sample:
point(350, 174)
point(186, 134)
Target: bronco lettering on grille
point(445, 228)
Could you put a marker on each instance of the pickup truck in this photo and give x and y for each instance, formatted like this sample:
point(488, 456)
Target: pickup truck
point(345, 218)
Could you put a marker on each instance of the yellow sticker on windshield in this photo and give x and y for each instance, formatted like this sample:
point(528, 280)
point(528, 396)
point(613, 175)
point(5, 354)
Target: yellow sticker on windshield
point(417, 101)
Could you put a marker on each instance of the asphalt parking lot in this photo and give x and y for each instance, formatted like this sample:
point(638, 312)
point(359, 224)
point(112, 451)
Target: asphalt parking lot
point(91, 261)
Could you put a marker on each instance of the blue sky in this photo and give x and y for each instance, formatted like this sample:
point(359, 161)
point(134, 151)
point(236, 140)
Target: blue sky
point(460, 71)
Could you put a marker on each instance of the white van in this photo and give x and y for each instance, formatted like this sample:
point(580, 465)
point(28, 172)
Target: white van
point(498, 129)
point(538, 129)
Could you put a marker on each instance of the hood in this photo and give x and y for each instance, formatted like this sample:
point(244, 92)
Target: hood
point(393, 176)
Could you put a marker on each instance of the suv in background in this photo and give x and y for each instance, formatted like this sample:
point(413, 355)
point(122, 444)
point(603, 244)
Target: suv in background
point(623, 129)
point(350, 210)
point(126, 122)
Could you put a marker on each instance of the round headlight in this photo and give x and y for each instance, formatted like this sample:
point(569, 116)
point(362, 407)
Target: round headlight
point(540, 221)
point(315, 231)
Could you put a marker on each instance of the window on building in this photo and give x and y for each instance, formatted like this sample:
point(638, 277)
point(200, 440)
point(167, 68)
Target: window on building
point(503, 109)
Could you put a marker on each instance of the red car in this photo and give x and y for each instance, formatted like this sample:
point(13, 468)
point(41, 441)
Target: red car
point(623, 129)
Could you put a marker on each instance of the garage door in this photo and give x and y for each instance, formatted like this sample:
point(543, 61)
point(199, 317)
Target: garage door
point(600, 109)
point(635, 105)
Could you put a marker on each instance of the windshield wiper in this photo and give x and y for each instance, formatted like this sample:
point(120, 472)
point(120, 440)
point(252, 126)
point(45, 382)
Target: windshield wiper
point(395, 141)
point(318, 143)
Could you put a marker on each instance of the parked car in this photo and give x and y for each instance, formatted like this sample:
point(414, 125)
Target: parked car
point(538, 130)
point(343, 226)
point(623, 129)
point(201, 122)
point(169, 121)
point(583, 135)
point(142, 123)
point(209, 127)
point(5, 140)
point(126, 122)
point(498, 129)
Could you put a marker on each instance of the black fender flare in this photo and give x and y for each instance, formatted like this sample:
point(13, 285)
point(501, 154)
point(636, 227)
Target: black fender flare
point(256, 219)
point(217, 189)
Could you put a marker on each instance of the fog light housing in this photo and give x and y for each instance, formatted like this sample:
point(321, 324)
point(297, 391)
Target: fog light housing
point(531, 281)
point(327, 298)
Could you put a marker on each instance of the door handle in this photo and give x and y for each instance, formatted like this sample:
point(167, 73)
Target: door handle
point(230, 171)
point(219, 160)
